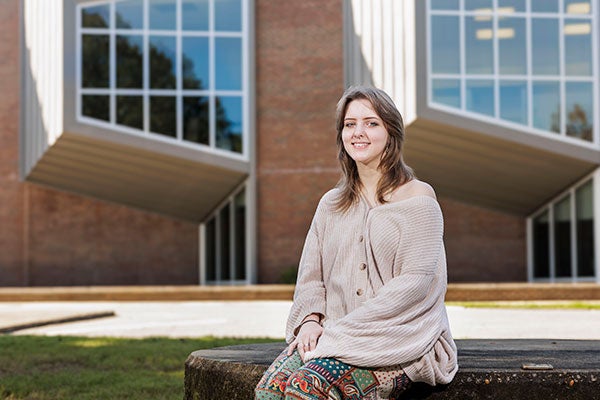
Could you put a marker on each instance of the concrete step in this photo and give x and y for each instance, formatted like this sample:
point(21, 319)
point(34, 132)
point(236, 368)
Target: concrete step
point(489, 369)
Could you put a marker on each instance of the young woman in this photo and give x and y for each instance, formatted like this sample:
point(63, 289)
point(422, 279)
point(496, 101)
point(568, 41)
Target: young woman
point(368, 316)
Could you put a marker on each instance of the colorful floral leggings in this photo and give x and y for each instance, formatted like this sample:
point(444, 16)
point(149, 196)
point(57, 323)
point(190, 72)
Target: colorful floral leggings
point(328, 378)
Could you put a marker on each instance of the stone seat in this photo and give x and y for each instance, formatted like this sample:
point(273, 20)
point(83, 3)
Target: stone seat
point(489, 369)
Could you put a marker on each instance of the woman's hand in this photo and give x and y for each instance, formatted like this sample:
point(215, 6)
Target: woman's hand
point(307, 337)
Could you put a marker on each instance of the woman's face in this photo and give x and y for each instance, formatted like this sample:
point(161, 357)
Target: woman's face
point(364, 135)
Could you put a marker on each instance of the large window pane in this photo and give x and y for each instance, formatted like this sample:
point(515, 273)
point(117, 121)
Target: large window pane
point(480, 96)
point(479, 46)
point(228, 15)
point(130, 14)
point(580, 115)
point(195, 62)
point(240, 235)
point(97, 107)
point(163, 62)
point(94, 61)
point(512, 46)
point(130, 111)
point(562, 237)
point(577, 7)
point(513, 101)
point(162, 14)
point(578, 47)
point(508, 6)
point(194, 15)
point(541, 246)
point(210, 254)
point(130, 66)
point(546, 106)
point(550, 6)
point(225, 243)
point(584, 202)
point(445, 44)
point(545, 46)
point(163, 115)
point(228, 64)
point(196, 119)
point(478, 5)
point(95, 17)
point(444, 4)
point(446, 91)
point(229, 123)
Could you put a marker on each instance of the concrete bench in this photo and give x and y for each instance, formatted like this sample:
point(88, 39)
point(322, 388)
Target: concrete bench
point(489, 369)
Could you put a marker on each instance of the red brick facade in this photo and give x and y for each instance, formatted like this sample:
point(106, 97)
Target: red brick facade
point(54, 238)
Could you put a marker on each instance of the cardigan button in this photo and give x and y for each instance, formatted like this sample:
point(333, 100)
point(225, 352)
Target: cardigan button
point(360, 238)
point(359, 292)
point(363, 266)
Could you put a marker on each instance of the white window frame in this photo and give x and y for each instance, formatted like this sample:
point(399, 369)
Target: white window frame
point(529, 78)
point(594, 177)
point(178, 93)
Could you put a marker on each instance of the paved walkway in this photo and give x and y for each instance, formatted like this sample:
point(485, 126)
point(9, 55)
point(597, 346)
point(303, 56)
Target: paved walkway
point(267, 319)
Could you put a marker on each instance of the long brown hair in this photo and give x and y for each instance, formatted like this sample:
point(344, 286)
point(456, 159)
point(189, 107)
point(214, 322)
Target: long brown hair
point(392, 167)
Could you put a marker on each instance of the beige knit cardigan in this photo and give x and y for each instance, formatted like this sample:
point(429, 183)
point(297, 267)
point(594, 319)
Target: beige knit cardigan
point(378, 276)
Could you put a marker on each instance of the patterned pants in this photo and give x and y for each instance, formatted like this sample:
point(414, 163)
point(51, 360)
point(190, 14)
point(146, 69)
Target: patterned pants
point(328, 378)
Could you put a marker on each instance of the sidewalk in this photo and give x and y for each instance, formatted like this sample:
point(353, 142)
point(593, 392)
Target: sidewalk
point(267, 319)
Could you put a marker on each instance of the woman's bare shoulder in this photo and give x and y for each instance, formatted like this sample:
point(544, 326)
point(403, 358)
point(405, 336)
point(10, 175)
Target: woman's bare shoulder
point(413, 188)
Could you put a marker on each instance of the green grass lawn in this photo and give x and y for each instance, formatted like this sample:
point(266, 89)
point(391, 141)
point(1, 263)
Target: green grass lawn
point(39, 367)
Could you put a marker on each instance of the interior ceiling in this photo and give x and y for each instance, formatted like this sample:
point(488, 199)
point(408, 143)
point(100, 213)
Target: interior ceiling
point(488, 171)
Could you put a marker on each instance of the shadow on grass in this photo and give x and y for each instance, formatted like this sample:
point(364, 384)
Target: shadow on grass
point(39, 367)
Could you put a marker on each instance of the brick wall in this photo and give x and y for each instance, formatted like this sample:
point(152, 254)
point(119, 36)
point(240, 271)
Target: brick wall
point(299, 56)
point(54, 238)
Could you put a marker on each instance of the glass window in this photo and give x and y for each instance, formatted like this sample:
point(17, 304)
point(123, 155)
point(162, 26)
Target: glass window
point(545, 46)
point(210, 254)
point(194, 15)
point(544, 6)
point(446, 91)
point(228, 15)
point(229, 123)
point(584, 201)
point(97, 107)
point(510, 6)
point(130, 14)
point(94, 61)
point(474, 5)
point(130, 61)
point(95, 16)
point(163, 115)
point(513, 101)
point(130, 111)
point(195, 62)
point(512, 46)
point(480, 96)
point(562, 237)
point(228, 64)
point(444, 4)
point(196, 122)
point(546, 106)
point(225, 243)
point(239, 204)
point(479, 46)
point(445, 44)
point(579, 98)
point(578, 47)
point(162, 14)
point(163, 62)
point(541, 246)
point(577, 6)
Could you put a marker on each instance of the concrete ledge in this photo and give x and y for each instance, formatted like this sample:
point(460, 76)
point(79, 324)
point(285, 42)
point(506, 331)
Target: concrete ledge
point(456, 292)
point(489, 369)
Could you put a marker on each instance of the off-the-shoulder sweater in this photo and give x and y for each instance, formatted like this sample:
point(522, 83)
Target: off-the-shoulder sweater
point(378, 276)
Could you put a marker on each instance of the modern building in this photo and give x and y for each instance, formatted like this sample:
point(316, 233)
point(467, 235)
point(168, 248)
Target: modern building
point(188, 141)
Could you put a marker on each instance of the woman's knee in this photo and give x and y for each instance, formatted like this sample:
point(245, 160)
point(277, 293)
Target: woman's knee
point(307, 383)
